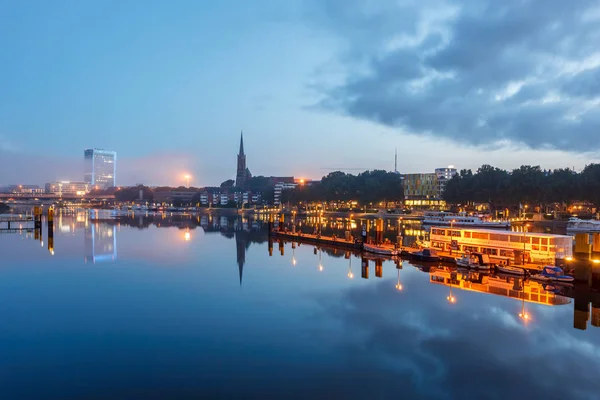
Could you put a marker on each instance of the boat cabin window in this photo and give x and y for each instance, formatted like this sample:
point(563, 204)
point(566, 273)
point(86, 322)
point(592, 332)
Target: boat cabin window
point(506, 253)
point(516, 238)
point(535, 240)
point(467, 234)
point(456, 233)
point(493, 252)
point(544, 241)
point(480, 235)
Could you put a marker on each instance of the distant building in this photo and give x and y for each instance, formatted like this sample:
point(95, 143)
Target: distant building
point(444, 175)
point(68, 188)
point(243, 173)
point(422, 191)
point(174, 196)
point(22, 189)
point(281, 185)
point(100, 168)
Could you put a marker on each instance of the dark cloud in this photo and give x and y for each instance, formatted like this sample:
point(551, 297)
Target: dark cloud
point(426, 348)
point(523, 71)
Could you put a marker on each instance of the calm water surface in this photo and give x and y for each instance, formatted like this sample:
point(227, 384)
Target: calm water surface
point(198, 307)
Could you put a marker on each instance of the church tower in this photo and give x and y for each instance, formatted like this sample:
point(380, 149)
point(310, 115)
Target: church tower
point(242, 172)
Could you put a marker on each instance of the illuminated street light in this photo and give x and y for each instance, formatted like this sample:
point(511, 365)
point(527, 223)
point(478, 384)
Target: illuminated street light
point(399, 285)
point(187, 179)
point(451, 299)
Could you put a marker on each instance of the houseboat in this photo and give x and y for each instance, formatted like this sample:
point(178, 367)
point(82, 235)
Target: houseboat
point(461, 219)
point(504, 247)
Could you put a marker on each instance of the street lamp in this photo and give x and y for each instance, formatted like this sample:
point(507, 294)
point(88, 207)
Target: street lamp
point(350, 274)
point(524, 237)
point(451, 299)
point(523, 314)
point(399, 285)
point(451, 234)
point(187, 180)
point(320, 264)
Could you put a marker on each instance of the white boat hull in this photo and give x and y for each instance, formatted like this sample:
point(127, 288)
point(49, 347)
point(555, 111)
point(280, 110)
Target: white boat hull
point(472, 225)
point(511, 270)
point(379, 250)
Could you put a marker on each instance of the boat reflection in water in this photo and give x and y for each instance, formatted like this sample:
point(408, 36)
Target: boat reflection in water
point(500, 285)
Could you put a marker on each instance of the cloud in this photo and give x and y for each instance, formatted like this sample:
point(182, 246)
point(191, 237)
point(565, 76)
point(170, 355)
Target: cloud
point(475, 72)
point(425, 348)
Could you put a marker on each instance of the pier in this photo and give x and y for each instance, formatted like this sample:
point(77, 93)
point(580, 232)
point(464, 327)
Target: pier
point(24, 222)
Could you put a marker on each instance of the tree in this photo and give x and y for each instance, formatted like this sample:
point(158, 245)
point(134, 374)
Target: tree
point(228, 184)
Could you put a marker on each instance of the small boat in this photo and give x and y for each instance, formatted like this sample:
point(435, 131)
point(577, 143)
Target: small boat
point(509, 269)
point(475, 261)
point(425, 255)
point(552, 274)
point(379, 250)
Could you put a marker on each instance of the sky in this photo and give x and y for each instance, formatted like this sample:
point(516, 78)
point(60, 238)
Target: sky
point(315, 85)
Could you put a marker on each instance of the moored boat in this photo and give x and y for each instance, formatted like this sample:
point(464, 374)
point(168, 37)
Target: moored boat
point(510, 269)
point(461, 219)
point(576, 225)
point(475, 261)
point(552, 274)
point(379, 250)
point(425, 255)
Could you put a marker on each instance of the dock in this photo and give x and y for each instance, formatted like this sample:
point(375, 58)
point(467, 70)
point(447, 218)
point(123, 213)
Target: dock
point(8, 222)
point(318, 240)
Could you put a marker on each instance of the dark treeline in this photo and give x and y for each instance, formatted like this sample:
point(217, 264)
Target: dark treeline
point(524, 185)
point(367, 187)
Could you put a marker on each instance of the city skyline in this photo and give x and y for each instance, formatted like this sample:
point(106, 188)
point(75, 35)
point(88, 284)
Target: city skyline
point(169, 89)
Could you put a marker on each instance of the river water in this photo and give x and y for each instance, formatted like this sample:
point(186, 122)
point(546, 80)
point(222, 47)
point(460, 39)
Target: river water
point(206, 306)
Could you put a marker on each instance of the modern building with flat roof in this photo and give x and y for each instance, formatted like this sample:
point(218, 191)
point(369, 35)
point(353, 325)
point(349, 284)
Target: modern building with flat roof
point(100, 168)
point(68, 188)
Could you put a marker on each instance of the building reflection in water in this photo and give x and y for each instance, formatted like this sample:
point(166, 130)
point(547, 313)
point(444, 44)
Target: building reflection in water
point(515, 287)
point(100, 242)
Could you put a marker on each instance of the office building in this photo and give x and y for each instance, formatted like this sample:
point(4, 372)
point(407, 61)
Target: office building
point(100, 168)
point(67, 188)
point(443, 176)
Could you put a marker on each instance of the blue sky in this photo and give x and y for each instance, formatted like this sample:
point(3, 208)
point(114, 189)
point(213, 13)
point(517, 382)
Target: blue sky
point(313, 84)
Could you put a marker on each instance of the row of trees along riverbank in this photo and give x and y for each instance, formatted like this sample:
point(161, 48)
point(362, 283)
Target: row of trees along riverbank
point(524, 185)
point(366, 187)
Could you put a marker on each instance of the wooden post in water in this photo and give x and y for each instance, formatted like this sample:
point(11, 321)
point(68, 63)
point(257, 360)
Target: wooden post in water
point(270, 247)
point(379, 231)
point(379, 268)
point(281, 247)
point(51, 230)
point(270, 224)
point(364, 268)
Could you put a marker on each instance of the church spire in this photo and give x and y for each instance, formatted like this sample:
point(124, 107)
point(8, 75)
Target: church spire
point(241, 143)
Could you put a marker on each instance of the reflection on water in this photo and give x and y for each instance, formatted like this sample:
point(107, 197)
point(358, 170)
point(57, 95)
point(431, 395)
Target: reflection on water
point(185, 315)
point(100, 242)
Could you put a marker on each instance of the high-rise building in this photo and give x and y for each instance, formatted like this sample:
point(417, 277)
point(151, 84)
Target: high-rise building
point(243, 173)
point(100, 168)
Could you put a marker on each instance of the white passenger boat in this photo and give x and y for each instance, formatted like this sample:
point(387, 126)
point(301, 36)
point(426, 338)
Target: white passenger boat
point(379, 250)
point(461, 219)
point(509, 269)
point(475, 261)
point(576, 225)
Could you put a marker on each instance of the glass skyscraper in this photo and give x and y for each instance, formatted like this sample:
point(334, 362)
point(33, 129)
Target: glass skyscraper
point(100, 168)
